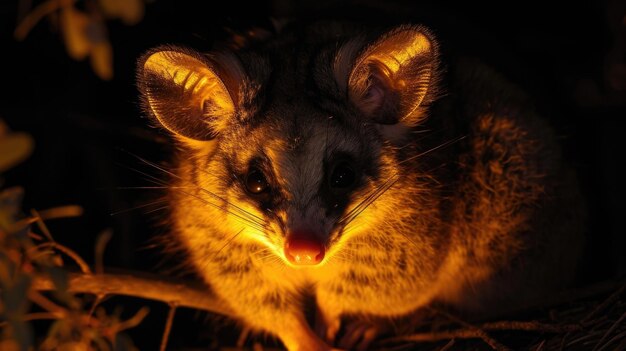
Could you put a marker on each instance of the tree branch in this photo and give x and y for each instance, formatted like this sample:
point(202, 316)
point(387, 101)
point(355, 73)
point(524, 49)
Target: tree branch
point(142, 286)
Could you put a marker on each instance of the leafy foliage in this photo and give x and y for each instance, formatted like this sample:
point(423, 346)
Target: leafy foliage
point(84, 29)
point(28, 251)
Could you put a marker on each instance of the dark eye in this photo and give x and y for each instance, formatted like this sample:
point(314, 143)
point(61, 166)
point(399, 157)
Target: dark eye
point(342, 176)
point(256, 182)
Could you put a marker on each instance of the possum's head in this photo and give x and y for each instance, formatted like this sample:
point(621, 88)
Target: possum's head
point(294, 148)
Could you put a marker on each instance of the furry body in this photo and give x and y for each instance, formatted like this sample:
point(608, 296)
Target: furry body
point(473, 207)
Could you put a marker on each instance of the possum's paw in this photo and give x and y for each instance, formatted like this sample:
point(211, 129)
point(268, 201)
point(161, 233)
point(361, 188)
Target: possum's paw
point(326, 326)
point(359, 334)
point(348, 333)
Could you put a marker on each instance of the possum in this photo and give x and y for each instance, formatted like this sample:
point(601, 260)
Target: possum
point(350, 165)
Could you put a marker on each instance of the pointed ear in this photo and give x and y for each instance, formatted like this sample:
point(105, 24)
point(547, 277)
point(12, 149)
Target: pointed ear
point(393, 79)
point(191, 95)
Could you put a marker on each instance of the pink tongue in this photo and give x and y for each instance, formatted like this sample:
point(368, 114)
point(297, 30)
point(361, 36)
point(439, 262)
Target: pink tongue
point(304, 249)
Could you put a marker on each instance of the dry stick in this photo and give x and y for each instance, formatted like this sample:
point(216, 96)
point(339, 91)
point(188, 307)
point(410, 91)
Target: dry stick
point(567, 296)
point(46, 304)
point(480, 332)
point(540, 346)
point(448, 345)
point(530, 326)
point(585, 337)
point(609, 301)
point(96, 302)
point(470, 333)
point(36, 15)
point(601, 307)
point(243, 336)
point(84, 267)
point(570, 295)
point(608, 332)
point(168, 327)
point(614, 339)
point(132, 321)
point(134, 285)
point(42, 226)
point(438, 336)
point(101, 243)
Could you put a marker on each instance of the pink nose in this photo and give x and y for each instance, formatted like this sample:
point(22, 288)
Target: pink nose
point(303, 248)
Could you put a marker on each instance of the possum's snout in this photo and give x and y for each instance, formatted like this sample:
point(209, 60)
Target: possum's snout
point(304, 248)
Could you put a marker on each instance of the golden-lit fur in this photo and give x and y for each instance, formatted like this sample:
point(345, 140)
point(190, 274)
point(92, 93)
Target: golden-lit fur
point(474, 210)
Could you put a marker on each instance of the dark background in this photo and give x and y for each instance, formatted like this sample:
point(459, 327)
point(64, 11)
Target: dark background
point(570, 58)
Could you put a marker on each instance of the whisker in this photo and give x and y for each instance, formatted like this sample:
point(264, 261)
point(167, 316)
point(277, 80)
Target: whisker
point(373, 196)
point(369, 199)
point(383, 189)
point(147, 187)
point(241, 210)
point(249, 221)
point(149, 177)
point(446, 144)
point(138, 207)
point(157, 209)
point(367, 196)
point(229, 241)
point(376, 191)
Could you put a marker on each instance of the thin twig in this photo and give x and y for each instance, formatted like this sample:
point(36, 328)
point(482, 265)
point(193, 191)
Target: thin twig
point(437, 336)
point(530, 326)
point(61, 212)
point(496, 345)
point(609, 331)
point(132, 321)
point(47, 304)
point(448, 345)
point(243, 336)
point(39, 12)
point(601, 307)
point(42, 226)
point(96, 302)
point(84, 267)
point(168, 327)
point(101, 243)
point(615, 338)
point(540, 346)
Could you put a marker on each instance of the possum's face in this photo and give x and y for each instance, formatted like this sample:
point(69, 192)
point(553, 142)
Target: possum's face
point(296, 151)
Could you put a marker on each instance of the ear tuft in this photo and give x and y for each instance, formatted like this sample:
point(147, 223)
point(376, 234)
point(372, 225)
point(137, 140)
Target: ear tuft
point(394, 78)
point(183, 92)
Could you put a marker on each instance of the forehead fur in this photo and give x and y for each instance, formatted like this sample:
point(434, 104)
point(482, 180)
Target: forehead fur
point(300, 159)
point(298, 143)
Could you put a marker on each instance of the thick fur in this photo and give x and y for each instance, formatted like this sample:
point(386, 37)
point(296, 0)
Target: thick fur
point(482, 213)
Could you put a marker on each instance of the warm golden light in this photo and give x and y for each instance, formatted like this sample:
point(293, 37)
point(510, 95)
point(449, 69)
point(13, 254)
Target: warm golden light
point(395, 55)
point(184, 93)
